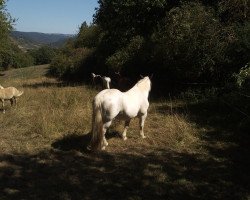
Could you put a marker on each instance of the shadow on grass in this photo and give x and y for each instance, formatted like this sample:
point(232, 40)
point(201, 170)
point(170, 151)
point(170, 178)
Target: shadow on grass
point(45, 84)
point(73, 141)
point(157, 174)
point(225, 137)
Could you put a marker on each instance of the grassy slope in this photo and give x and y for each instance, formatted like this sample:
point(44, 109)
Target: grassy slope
point(190, 152)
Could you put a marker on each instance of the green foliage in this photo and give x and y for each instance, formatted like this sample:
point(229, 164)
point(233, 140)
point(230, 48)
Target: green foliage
point(234, 10)
point(191, 42)
point(196, 41)
point(10, 54)
point(77, 55)
point(243, 76)
point(43, 55)
point(67, 64)
point(123, 56)
point(5, 23)
point(88, 36)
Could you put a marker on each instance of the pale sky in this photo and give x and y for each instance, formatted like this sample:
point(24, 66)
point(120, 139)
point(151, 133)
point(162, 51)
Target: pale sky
point(51, 16)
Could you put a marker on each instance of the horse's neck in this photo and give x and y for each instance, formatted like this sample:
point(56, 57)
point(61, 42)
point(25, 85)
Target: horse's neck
point(107, 85)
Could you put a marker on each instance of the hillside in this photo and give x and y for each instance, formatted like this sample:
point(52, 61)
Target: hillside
point(30, 40)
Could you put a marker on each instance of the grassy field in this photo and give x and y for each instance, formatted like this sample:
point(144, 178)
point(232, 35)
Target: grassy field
point(193, 149)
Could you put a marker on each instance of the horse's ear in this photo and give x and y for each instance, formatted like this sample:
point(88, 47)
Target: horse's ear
point(141, 76)
point(118, 73)
point(151, 76)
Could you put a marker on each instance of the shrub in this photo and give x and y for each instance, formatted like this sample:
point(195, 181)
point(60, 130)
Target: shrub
point(43, 55)
point(69, 65)
point(190, 42)
point(243, 77)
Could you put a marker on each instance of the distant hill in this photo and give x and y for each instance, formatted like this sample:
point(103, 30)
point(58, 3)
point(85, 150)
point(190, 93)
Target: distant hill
point(31, 40)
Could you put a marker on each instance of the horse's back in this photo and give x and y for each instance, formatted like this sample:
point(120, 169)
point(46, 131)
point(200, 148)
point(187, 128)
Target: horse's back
point(6, 93)
point(10, 92)
point(110, 100)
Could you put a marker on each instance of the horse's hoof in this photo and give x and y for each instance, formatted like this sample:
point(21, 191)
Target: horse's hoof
point(103, 148)
point(89, 148)
point(143, 136)
point(124, 138)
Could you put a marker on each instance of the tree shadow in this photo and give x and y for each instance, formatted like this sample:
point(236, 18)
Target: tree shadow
point(45, 84)
point(138, 174)
point(223, 139)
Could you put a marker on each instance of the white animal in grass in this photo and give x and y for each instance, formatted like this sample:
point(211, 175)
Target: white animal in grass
point(111, 103)
point(9, 93)
point(105, 80)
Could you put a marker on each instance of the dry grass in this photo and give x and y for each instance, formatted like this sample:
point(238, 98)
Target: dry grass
point(43, 141)
point(49, 110)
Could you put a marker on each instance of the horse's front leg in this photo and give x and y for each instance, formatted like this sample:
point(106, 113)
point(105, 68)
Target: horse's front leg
point(15, 101)
point(126, 126)
point(142, 121)
point(3, 105)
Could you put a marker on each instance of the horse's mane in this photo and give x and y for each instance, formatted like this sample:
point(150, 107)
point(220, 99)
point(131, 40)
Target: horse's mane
point(144, 84)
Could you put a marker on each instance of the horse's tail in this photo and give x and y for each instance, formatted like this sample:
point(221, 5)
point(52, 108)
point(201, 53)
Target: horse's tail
point(97, 127)
point(19, 93)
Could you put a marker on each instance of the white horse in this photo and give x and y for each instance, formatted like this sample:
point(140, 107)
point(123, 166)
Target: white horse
point(105, 80)
point(111, 103)
point(9, 93)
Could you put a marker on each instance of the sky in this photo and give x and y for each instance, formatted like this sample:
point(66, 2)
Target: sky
point(51, 16)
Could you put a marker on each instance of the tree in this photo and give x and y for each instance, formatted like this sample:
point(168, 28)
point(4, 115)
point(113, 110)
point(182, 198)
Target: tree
point(10, 54)
point(43, 55)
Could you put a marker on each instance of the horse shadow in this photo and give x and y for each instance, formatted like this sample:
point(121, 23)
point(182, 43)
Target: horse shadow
point(73, 141)
point(78, 142)
point(112, 134)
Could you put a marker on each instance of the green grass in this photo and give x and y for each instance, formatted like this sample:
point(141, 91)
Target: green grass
point(193, 149)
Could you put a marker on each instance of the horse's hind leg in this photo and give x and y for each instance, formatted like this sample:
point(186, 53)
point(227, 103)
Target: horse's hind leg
point(15, 99)
point(142, 120)
point(105, 128)
point(12, 101)
point(126, 126)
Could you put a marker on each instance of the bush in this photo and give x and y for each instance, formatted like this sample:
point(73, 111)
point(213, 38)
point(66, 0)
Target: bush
point(43, 55)
point(191, 43)
point(14, 57)
point(69, 65)
point(243, 77)
point(125, 55)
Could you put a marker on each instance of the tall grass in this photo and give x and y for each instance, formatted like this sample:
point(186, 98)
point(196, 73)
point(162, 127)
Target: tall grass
point(49, 110)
